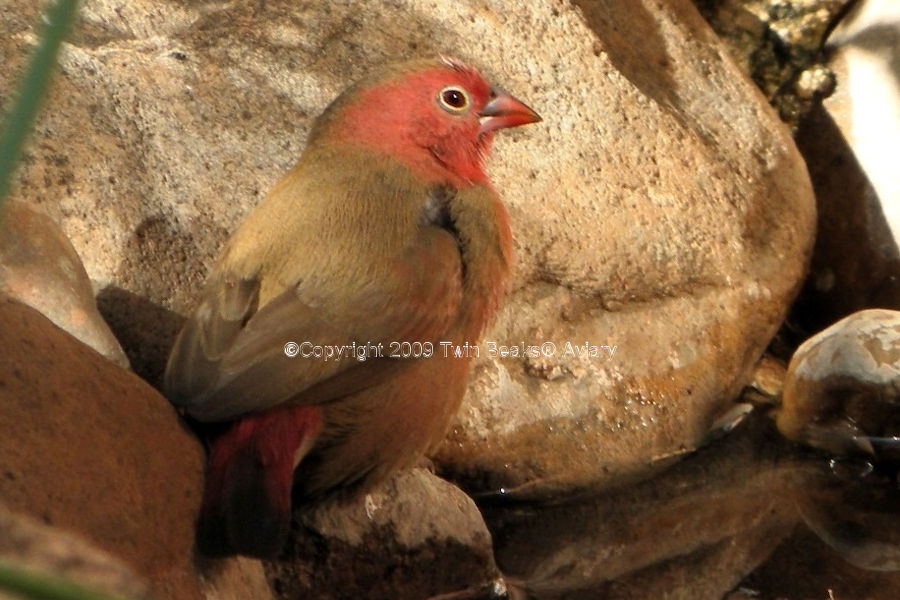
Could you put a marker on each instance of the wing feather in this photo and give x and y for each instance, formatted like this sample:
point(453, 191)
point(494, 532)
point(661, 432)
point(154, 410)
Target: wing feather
point(229, 359)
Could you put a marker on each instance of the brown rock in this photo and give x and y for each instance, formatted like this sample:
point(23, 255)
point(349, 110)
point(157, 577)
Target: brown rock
point(768, 379)
point(660, 209)
point(414, 537)
point(89, 447)
point(39, 267)
point(685, 295)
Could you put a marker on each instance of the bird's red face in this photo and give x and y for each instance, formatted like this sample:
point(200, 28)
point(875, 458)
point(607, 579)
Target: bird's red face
point(439, 119)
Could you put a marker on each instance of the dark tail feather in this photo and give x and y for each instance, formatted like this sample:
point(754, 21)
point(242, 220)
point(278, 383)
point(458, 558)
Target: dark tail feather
point(247, 501)
point(246, 507)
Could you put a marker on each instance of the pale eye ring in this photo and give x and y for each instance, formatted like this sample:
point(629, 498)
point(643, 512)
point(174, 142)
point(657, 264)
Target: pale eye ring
point(453, 99)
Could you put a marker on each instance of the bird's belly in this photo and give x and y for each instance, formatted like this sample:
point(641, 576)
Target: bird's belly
point(367, 435)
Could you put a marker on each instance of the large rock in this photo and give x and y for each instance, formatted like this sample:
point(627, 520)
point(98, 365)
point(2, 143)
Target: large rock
point(660, 209)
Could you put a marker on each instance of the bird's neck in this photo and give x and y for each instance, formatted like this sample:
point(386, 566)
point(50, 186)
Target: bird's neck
point(482, 224)
point(432, 161)
point(460, 161)
point(434, 154)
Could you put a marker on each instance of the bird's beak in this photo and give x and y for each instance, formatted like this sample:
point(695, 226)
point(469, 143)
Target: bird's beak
point(504, 111)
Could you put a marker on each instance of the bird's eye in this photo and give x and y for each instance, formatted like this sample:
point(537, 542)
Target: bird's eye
point(453, 99)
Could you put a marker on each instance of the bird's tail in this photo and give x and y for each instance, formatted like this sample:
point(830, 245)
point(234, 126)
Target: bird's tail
point(247, 501)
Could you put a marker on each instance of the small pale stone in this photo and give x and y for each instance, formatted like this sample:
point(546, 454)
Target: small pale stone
point(39, 266)
point(843, 384)
point(815, 81)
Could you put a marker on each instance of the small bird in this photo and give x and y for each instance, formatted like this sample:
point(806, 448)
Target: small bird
point(387, 235)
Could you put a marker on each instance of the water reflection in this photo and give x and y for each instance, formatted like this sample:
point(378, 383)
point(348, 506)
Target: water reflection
point(858, 517)
point(699, 528)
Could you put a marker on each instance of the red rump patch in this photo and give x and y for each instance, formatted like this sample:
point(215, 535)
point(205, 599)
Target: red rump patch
point(272, 438)
point(247, 501)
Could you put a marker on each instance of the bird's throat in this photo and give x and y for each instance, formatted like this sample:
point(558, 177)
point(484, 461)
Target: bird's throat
point(463, 165)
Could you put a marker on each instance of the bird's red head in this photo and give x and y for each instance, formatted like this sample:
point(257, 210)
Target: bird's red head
point(438, 117)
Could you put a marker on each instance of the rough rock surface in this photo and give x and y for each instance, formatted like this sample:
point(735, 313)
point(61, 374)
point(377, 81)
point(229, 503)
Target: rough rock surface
point(89, 447)
point(414, 537)
point(661, 208)
point(43, 549)
point(682, 295)
point(39, 267)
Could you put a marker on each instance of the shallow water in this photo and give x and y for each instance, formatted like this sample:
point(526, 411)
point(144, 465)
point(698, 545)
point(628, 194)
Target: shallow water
point(699, 528)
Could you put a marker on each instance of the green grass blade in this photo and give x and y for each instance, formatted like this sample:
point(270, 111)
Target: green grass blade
point(32, 89)
point(35, 586)
point(13, 578)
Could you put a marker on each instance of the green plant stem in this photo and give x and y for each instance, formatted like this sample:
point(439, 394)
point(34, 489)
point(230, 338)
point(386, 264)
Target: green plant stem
point(32, 89)
point(34, 586)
